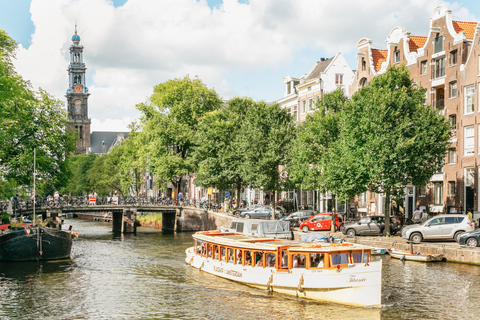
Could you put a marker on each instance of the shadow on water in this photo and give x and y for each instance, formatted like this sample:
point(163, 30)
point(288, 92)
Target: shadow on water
point(21, 271)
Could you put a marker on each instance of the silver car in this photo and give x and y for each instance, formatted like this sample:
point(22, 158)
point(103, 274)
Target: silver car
point(448, 226)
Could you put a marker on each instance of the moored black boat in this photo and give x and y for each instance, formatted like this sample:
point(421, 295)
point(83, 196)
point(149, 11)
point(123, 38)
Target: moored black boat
point(36, 243)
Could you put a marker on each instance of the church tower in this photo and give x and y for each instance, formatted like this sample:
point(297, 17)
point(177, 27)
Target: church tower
point(77, 96)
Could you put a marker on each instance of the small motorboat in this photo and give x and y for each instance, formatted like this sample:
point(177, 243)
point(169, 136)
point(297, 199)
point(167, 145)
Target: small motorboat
point(415, 256)
point(378, 251)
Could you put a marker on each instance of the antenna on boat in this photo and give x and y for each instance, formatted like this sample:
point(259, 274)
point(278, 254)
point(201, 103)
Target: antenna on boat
point(34, 174)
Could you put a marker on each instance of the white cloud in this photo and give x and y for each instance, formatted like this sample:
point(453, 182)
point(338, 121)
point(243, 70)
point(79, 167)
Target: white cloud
point(130, 49)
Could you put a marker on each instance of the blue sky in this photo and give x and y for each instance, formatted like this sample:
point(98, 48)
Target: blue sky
point(241, 48)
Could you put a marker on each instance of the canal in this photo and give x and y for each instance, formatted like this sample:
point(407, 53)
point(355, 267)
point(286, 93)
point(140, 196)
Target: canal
point(145, 277)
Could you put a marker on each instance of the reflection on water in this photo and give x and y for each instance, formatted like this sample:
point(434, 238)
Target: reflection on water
point(145, 276)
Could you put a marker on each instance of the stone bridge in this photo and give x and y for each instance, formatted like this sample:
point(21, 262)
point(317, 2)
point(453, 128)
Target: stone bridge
point(174, 218)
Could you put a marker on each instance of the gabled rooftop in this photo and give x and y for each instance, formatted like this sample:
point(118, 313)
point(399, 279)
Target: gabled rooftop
point(319, 67)
point(467, 27)
point(416, 42)
point(379, 56)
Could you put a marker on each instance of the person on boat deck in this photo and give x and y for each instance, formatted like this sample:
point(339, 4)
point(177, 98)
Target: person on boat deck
point(260, 262)
point(270, 260)
point(258, 257)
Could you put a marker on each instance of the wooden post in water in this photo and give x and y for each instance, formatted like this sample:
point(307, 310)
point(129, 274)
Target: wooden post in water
point(129, 219)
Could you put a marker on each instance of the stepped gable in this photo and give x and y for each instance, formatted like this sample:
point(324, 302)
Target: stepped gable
point(467, 27)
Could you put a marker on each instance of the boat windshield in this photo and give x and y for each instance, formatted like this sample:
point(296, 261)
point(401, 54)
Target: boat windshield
point(340, 258)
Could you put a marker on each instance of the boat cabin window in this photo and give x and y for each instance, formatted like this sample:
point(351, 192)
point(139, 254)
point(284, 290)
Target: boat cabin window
point(248, 258)
point(239, 257)
point(230, 256)
point(238, 226)
point(270, 259)
point(357, 257)
point(222, 254)
point(209, 250)
point(215, 252)
point(284, 261)
point(339, 258)
point(258, 259)
point(317, 260)
point(298, 260)
point(254, 226)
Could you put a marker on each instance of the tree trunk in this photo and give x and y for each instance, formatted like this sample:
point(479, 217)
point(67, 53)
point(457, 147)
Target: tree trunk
point(239, 186)
point(273, 202)
point(332, 227)
point(387, 213)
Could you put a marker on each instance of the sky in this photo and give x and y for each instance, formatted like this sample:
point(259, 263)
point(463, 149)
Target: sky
point(237, 47)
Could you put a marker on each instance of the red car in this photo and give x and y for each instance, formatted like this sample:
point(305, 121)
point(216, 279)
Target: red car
point(322, 221)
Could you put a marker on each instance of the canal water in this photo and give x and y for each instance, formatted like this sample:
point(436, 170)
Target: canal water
point(145, 277)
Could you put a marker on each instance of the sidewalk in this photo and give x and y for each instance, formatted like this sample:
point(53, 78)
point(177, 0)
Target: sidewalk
point(451, 251)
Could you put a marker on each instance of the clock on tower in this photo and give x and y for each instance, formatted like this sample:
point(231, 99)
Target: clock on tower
point(78, 88)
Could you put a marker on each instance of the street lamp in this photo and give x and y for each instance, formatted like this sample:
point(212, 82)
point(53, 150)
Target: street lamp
point(178, 180)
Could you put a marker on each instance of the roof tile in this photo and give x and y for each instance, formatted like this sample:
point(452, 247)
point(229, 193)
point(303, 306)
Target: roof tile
point(468, 27)
point(379, 56)
point(416, 43)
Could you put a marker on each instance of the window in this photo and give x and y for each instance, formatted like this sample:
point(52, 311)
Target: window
point(338, 79)
point(295, 113)
point(453, 89)
point(469, 94)
point(439, 67)
point(423, 191)
point(364, 64)
point(469, 140)
point(357, 257)
point(438, 42)
point(469, 177)
point(304, 106)
point(397, 56)
point(341, 258)
point(438, 193)
point(309, 88)
point(451, 188)
point(452, 156)
point(310, 105)
point(453, 57)
point(453, 123)
point(424, 67)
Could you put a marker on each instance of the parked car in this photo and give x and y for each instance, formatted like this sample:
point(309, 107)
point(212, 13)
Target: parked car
point(447, 226)
point(298, 217)
point(237, 212)
point(263, 212)
point(322, 221)
point(471, 239)
point(371, 225)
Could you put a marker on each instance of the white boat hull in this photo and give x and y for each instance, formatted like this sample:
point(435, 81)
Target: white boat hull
point(359, 285)
point(416, 257)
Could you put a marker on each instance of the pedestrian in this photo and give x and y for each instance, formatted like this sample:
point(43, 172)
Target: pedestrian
point(180, 197)
point(417, 215)
point(469, 213)
point(56, 198)
point(424, 215)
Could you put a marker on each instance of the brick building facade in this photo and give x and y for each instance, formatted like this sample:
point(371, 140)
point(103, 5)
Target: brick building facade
point(445, 61)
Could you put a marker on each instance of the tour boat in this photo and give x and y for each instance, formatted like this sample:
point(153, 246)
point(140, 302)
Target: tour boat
point(415, 256)
point(334, 272)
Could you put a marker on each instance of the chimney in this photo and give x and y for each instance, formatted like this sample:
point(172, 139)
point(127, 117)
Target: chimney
point(322, 59)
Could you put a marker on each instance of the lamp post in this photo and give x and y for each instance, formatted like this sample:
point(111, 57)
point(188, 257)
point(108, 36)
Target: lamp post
point(178, 180)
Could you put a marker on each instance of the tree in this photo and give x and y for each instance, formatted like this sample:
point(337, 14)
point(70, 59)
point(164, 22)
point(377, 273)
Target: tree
point(80, 182)
point(267, 132)
point(30, 120)
point(316, 158)
point(394, 138)
point(169, 122)
point(217, 156)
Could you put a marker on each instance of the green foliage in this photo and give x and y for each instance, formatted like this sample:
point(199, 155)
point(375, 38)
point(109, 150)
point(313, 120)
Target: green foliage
point(217, 157)
point(169, 123)
point(394, 139)
point(80, 183)
point(29, 120)
point(267, 131)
